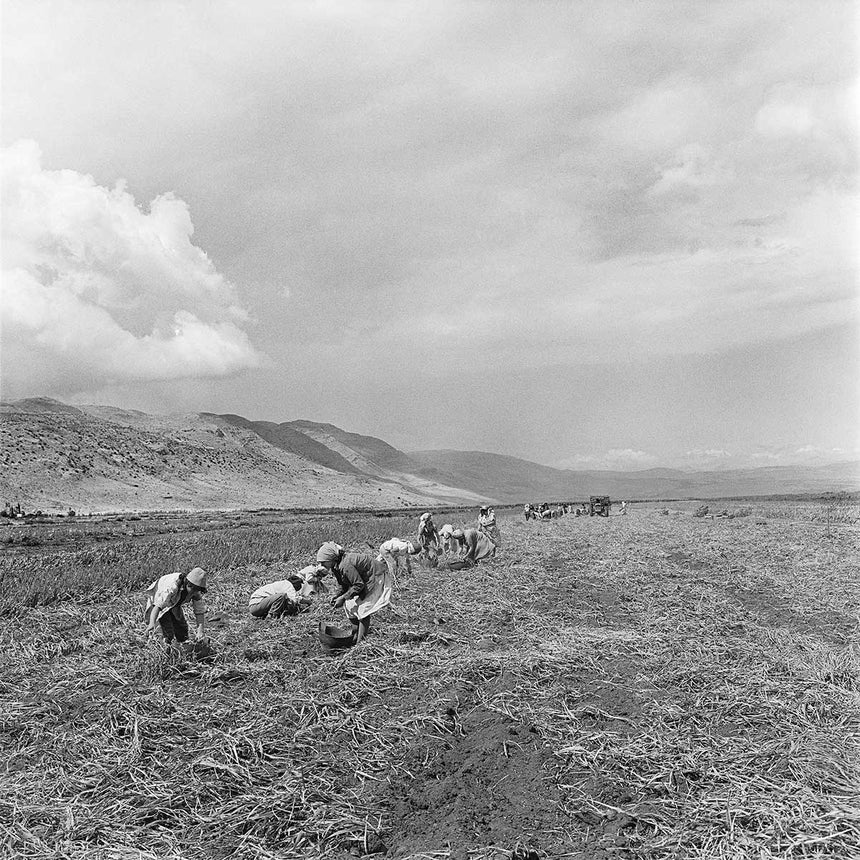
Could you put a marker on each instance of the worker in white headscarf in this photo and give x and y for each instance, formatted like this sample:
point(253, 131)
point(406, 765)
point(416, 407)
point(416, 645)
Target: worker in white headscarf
point(396, 553)
point(286, 596)
point(487, 524)
point(428, 537)
point(445, 537)
point(366, 584)
point(473, 545)
point(164, 601)
point(427, 534)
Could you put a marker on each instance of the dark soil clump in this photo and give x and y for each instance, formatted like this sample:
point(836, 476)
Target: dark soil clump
point(485, 784)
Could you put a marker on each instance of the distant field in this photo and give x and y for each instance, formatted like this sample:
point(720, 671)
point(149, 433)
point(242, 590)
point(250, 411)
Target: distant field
point(640, 686)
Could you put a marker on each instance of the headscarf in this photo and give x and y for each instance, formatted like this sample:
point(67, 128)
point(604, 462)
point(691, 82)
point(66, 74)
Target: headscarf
point(329, 551)
point(446, 530)
point(311, 572)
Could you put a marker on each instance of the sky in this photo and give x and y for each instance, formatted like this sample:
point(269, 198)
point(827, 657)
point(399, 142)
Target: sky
point(615, 235)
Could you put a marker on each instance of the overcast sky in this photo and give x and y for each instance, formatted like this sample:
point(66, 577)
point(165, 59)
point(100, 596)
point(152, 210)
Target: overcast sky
point(588, 234)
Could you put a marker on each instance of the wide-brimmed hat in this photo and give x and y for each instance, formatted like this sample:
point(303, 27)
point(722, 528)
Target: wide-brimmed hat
point(197, 577)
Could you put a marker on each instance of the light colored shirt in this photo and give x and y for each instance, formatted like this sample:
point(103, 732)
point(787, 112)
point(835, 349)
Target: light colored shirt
point(272, 590)
point(165, 593)
point(395, 546)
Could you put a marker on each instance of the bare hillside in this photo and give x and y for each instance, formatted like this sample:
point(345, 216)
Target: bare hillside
point(99, 458)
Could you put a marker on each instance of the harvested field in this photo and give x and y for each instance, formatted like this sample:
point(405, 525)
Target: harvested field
point(638, 686)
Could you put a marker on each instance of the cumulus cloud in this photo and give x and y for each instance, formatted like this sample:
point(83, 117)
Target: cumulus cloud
point(95, 290)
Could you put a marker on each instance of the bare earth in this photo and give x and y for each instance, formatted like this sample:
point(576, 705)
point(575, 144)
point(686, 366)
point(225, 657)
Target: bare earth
point(640, 686)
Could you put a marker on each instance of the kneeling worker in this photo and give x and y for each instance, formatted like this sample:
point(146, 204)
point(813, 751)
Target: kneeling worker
point(286, 596)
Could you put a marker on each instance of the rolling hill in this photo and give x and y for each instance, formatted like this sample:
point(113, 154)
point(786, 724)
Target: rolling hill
point(100, 458)
point(511, 480)
point(96, 458)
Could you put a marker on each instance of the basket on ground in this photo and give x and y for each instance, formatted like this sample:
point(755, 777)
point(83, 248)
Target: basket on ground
point(458, 564)
point(336, 637)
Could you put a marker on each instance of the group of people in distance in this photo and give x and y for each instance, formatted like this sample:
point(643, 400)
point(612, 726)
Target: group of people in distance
point(365, 580)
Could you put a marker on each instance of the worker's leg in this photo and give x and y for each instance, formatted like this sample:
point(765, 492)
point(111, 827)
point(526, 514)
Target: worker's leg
point(282, 605)
point(261, 610)
point(166, 625)
point(180, 625)
point(363, 627)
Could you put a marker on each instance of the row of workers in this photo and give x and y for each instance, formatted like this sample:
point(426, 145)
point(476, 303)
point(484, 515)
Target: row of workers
point(365, 580)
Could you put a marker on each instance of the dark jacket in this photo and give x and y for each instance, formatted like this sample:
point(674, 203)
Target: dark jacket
point(354, 574)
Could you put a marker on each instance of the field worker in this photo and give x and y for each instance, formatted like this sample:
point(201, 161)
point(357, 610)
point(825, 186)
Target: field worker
point(445, 538)
point(365, 584)
point(286, 596)
point(427, 534)
point(396, 553)
point(624, 509)
point(473, 545)
point(164, 601)
point(487, 524)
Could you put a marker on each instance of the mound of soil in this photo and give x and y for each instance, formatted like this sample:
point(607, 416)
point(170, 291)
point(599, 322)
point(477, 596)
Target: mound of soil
point(485, 784)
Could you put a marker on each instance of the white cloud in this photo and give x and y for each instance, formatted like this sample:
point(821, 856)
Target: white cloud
point(690, 168)
point(96, 290)
point(784, 118)
point(617, 459)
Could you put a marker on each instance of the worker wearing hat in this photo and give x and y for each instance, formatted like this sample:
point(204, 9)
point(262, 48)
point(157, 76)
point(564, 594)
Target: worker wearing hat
point(165, 598)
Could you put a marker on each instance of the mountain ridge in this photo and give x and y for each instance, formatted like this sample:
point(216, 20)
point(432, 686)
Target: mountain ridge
point(100, 458)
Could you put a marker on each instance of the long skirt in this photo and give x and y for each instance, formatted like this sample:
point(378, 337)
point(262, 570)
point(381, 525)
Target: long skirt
point(378, 595)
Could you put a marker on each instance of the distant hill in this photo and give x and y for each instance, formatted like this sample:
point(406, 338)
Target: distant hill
point(509, 479)
point(100, 458)
point(96, 458)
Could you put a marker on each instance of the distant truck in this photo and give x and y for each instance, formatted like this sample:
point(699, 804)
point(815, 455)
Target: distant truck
point(598, 506)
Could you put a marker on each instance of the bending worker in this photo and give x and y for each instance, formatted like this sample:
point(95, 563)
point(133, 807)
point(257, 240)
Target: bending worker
point(487, 524)
point(396, 552)
point(475, 545)
point(286, 596)
point(445, 537)
point(365, 584)
point(427, 534)
point(164, 601)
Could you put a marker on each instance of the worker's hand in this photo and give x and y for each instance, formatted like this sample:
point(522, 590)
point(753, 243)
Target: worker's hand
point(339, 601)
point(200, 636)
